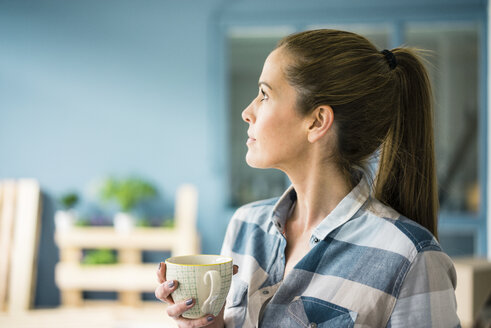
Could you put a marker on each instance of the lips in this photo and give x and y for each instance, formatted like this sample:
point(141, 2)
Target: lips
point(251, 139)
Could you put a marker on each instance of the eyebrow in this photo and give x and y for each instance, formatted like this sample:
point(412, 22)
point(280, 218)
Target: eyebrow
point(264, 83)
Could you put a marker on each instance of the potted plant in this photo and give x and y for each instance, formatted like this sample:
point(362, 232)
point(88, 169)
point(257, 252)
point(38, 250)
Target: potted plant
point(66, 217)
point(99, 256)
point(128, 193)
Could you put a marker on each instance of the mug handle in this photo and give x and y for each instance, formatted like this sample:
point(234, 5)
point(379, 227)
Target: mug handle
point(213, 278)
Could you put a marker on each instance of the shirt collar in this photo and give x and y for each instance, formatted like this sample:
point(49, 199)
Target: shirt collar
point(283, 208)
point(341, 214)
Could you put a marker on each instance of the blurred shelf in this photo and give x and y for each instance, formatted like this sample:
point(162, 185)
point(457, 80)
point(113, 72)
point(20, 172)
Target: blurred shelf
point(129, 277)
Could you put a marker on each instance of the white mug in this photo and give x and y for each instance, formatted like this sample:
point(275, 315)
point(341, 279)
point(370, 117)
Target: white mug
point(206, 278)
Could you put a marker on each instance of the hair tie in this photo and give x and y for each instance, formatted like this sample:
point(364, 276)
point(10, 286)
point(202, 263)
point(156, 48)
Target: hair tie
point(390, 57)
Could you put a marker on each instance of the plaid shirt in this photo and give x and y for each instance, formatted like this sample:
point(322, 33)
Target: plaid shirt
point(368, 266)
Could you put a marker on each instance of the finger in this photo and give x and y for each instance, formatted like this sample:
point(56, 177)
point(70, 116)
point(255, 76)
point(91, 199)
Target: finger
point(194, 323)
point(235, 269)
point(163, 291)
point(161, 272)
point(178, 309)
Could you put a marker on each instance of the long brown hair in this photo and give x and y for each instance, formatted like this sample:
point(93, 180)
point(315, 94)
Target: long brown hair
point(380, 104)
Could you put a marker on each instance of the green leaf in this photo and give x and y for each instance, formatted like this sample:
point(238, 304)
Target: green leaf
point(99, 256)
point(69, 200)
point(127, 192)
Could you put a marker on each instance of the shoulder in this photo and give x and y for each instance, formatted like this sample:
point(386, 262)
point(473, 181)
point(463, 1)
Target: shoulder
point(380, 232)
point(250, 218)
point(379, 226)
point(256, 212)
point(268, 203)
point(250, 235)
point(422, 239)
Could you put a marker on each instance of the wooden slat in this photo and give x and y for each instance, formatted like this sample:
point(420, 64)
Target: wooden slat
point(186, 207)
point(6, 235)
point(72, 297)
point(185, 216)
point(106, 277)
point(130, 298)
point(130, 256)
point(105, 237)
point(25, 245)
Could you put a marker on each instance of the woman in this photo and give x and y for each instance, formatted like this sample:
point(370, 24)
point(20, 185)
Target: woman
point(338, 249)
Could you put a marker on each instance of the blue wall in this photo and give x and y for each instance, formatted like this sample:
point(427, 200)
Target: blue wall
point(89, 88)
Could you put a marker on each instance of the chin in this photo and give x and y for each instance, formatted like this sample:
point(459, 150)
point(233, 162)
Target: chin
point(254, 162)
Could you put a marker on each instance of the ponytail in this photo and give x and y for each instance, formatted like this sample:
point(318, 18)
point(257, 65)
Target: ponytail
point(406, 178)
point(381, 101)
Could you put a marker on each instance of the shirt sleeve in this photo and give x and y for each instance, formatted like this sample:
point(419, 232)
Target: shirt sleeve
point(427, 295)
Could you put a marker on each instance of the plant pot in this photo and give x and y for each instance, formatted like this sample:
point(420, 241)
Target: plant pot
point(65, 220)
point(124, 222)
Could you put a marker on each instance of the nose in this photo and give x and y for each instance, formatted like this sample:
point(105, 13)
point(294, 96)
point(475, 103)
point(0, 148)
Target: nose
point(247, 114)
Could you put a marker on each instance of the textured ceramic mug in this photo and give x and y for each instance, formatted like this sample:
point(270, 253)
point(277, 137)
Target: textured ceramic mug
point(206, 278)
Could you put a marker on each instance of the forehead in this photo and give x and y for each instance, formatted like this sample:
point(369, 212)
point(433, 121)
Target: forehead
point(273, 69)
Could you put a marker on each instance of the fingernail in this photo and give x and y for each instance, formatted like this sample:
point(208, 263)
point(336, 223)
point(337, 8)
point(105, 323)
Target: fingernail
point(160, 264)
point(210, 318)
point(170, 284)
point(189, 302)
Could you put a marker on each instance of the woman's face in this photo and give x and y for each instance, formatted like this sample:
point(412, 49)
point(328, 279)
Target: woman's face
point(277, 133)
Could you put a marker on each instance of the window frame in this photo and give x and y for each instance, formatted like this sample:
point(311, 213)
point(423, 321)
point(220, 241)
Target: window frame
point(255, 13)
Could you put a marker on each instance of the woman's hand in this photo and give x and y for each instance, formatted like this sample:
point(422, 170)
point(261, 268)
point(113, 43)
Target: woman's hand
point(175, 310)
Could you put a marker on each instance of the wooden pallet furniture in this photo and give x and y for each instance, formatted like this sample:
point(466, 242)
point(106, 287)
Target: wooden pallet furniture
point(20, 209)
point(473, 287)
point(129, 277)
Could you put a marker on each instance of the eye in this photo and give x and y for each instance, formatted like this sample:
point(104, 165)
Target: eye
point(265, 96)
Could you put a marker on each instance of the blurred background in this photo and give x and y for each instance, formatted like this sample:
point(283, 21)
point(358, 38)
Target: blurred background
point(96, 96)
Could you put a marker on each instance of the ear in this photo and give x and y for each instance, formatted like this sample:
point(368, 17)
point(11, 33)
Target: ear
point(320, 122)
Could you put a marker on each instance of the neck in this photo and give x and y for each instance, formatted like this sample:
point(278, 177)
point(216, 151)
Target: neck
point(320, 188)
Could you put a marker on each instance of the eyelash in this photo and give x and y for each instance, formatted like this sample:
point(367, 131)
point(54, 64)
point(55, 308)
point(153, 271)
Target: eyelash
point(265, 96)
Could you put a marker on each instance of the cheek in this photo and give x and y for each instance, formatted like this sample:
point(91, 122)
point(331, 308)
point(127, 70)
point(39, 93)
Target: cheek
point(271, 131)
point(281, 136)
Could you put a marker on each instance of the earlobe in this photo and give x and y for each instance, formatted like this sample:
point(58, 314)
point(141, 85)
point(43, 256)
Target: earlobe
point(321, 121)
